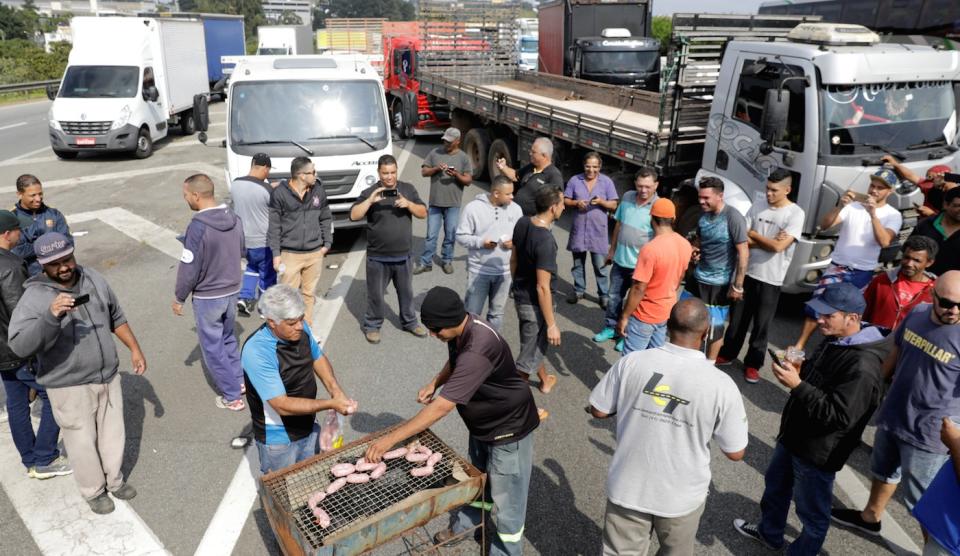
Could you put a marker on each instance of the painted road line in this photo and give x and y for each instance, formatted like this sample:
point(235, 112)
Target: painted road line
point(896, 538)
point(70, 182)
point(11, 126)
point(133, 226)
point(20, 157)
point(227, 524)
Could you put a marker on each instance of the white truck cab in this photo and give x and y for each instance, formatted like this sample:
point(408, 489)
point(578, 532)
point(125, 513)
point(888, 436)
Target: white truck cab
point(827, 104)
point(331, 109)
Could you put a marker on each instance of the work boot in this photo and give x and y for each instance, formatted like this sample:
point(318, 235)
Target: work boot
point(447, 268)
point(419, 331)
point(372, 336)
point(420, 269)
point(125, 492)
point(102, 504)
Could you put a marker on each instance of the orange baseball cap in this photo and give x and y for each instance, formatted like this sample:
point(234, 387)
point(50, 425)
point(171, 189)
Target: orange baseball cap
point(663, 208)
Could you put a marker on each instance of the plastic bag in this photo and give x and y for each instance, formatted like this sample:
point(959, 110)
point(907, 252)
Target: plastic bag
point(331, 431)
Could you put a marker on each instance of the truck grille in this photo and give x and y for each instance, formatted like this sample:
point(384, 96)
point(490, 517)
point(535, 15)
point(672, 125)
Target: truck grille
point(85, 128)
point(338, 183)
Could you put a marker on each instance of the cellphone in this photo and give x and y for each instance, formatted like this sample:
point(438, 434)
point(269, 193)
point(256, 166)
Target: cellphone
point(860, 197)
point(390, 193)
point(81, 299)
point(776, 359)
point(951, 177)
point(451, 168)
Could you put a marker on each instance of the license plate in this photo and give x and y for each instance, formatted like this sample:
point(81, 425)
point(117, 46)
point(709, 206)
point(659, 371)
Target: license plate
point(86, 141)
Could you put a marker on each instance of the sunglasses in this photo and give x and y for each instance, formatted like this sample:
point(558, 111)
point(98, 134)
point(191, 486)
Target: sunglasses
point(946, 304)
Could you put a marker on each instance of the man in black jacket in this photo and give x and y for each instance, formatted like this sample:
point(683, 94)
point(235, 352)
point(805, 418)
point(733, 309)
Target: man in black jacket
point(832, 397)
point(300, 231)
point(38, 451)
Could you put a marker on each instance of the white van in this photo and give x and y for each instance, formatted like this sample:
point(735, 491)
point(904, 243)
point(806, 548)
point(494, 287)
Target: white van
point(127, 80)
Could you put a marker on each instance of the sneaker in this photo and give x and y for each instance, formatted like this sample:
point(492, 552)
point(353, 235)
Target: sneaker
point(245, 307)
point(574, 297)
point(56, 468)
point(372, 336)
point(750, 531)
point(605, 335)
point(619, 347)
point(235, 405)
point(4, 416)
point(723, 361)
point(125, 492)
point(751, 375)
point(419, 331)
point(447, 268)
point(854, 519)
point(420, 269)
point(102, 504)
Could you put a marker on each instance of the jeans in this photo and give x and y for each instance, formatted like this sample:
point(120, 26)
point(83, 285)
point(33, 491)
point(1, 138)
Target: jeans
point(35, 449)
point(533, 338)
point(759, 305)
point(259, 274)
point(274, 457)
point(508, 467)
point(810, 488)
point(484, 287)
point(600, 272)
point(379, 275)
point(215, 320)
point(894, 461)
point(621, 280)
point(448, 216)
point(641, 335)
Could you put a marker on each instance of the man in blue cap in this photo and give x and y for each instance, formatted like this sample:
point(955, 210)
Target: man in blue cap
point(832, 397)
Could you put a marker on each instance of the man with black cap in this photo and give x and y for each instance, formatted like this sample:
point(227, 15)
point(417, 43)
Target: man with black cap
point(832, 397)
point(449, 170)
point(65, 318)
point(250, 197)
point(481, 380)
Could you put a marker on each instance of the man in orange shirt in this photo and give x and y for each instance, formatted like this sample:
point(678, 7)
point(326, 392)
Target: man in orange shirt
point(656, 282)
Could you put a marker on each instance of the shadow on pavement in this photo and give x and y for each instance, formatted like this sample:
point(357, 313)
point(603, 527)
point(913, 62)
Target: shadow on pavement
point(553, 510)
point(137, 391)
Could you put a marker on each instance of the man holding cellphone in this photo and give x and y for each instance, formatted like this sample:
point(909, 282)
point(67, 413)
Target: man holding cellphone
point(79, 364)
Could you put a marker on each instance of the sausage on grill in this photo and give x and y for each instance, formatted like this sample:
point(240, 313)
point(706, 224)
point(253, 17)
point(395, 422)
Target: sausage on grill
point(323, 520)
point(394, 454)
point(434, 459)
point(379, 471)
point(336, 485)
point(342, 469)
point(358, 478)
point(417, 457)
point(421, 471)
point(364, 466)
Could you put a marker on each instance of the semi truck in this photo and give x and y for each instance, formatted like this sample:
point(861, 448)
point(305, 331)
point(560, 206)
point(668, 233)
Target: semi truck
point(331, 109)
point(125, 99)
point(743, 95)
point(607, 42)
point(284, 40)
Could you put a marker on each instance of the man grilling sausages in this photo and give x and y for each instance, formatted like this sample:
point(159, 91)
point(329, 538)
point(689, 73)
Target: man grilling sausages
point(481, 380)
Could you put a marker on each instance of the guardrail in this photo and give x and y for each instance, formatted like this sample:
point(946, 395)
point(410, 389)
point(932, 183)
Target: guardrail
point(21, 87)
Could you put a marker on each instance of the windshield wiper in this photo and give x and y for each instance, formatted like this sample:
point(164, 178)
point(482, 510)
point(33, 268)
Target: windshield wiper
point(357, 137)
point(875, 147)
point(276, 142)
point(927, 144)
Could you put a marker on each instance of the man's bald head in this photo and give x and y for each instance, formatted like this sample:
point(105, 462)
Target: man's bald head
point(201, 184)
point(948, 285)
point(688, 318)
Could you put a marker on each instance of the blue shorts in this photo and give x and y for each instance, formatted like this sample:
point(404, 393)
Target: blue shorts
point(894, 461)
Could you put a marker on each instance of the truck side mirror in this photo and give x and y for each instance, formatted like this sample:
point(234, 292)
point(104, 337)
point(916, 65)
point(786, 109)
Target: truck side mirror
point(151, 94)
point(776, 110)
point(52, 91)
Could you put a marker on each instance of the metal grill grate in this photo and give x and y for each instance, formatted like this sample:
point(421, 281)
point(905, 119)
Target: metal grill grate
point(355, 502)
point(85, 128)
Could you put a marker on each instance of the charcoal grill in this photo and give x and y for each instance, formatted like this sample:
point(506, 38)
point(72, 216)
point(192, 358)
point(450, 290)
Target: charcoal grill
point(364, 516)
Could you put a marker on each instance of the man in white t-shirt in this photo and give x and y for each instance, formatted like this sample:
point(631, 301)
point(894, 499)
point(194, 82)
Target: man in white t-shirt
point(775, 224)
point(670, 402)
point(867, 226)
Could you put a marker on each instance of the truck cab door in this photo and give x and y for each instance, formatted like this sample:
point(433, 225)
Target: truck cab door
point(156, 115)
point(734, 133)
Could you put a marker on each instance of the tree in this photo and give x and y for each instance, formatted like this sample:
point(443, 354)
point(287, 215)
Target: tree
point(287, 17)
point(394, 10)
point(661, 29)
point(12, 25)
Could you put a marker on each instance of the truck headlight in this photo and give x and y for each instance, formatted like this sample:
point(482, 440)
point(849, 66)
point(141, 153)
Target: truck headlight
point(52, 121)
point(371, 179)
point(122, 119)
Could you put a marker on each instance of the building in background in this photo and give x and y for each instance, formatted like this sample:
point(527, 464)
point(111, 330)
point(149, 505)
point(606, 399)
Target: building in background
point(273, 10)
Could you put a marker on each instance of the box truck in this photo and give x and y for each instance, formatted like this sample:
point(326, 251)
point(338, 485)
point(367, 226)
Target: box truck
point(125, 99)
point(223, 35)
point(284, 40)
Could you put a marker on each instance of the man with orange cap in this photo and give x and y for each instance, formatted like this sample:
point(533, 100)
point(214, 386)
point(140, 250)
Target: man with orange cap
point(661, 265)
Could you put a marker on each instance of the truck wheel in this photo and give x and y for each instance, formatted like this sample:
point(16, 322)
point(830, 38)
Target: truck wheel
point(66, 155)
point(188, 124)
point(144, 144)
point(477, 144)
point(400, 123)
point(500, 148)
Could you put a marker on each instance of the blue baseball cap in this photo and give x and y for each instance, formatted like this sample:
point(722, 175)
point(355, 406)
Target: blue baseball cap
point(842, 296)
point(887, 176)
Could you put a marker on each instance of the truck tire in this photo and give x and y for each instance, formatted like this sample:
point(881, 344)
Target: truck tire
point(477, 144)
point(65, 155)
point(188, 123)
point(144, 144)
point(398, 118)
point(201, 112)
point(500, 148)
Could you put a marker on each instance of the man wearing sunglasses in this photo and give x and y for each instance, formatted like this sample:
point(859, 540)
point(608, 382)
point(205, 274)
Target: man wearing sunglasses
point(925, 363)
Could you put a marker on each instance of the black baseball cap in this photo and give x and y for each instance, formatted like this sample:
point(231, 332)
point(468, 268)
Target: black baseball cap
point(9, 221)
point(261, 159)
point(843, 296)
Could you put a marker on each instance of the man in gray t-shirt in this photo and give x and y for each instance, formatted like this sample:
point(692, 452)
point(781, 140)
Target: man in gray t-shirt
point(250, 197)
point(670, 403)
point(449, 170)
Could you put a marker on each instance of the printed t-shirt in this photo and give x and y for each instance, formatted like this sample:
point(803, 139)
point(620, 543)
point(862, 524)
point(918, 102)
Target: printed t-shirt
point(635, 228)
point(389, 229)
point(661, 265)
point(720, 234)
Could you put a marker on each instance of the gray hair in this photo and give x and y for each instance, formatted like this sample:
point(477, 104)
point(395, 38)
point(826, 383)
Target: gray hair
point(281, 302)
point(545, 146)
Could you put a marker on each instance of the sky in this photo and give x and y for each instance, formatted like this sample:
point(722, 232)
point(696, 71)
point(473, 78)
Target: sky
point(668, 7)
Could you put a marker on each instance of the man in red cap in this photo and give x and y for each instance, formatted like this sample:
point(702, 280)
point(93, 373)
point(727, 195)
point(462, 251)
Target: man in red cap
point(661, 265)
point(933, 185)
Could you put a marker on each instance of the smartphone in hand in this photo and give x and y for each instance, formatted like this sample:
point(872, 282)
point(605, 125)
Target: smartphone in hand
point(776, 359)
point(81, 299)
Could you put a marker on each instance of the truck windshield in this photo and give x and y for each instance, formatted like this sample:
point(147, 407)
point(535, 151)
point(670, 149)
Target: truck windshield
point(623, 61)
point(902, 116)
point(528, 45)
point(332, 113)
point(100, 82)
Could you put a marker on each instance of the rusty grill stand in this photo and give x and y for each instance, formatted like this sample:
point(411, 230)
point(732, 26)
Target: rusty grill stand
point(365, 516)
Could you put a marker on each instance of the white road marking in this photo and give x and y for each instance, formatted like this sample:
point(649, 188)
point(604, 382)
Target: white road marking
point(70, 182)
point(227, 523)
point(20, 159)
point(136, 227)
point(896, 538)
point(11, 126)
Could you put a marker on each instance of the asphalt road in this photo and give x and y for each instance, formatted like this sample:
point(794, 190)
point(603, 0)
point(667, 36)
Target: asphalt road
point(178, 453)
